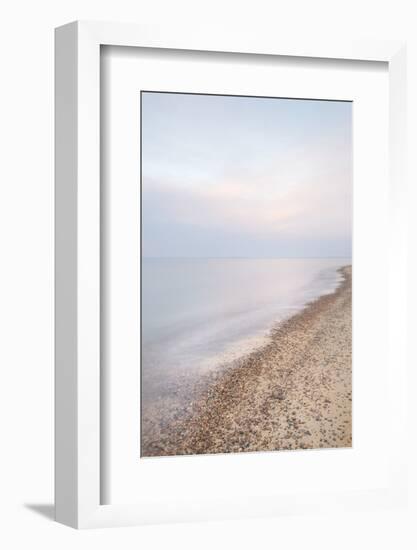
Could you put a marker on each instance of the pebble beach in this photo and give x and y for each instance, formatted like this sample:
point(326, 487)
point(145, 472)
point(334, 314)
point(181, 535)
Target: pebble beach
point(295, 392)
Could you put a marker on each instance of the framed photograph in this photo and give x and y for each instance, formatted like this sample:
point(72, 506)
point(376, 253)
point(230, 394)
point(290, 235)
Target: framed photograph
point(230, 222)
point(246, 310)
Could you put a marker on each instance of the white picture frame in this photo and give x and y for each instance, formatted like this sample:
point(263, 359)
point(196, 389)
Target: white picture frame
point(77, 394)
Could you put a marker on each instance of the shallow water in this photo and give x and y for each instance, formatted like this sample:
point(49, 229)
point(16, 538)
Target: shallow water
point(198, 314)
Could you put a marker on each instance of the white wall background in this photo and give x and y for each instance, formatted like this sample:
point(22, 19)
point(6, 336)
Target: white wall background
point(26, 273)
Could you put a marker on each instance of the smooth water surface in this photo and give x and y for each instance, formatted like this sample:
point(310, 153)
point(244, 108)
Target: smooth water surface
point(198, 314)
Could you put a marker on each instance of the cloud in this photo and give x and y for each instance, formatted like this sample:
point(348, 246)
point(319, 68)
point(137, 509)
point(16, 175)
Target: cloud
point(252, 175)
point(282, 201)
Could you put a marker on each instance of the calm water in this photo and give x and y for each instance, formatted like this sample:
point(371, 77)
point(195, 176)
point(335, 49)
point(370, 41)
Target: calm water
point(198, 314)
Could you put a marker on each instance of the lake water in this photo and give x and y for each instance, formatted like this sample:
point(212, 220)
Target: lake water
point(198, 314)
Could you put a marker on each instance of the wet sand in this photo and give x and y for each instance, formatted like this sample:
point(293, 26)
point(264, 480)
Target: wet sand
point(293, 393)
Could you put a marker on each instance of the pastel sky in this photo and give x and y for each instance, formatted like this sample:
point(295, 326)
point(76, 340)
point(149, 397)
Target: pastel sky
point(226, 176)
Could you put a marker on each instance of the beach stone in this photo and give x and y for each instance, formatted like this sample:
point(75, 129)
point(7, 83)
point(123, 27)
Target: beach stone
point(278, 394)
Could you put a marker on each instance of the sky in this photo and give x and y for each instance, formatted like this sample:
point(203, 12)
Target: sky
point(227, 176)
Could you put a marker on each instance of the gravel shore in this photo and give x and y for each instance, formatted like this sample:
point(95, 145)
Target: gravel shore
point(294, 393)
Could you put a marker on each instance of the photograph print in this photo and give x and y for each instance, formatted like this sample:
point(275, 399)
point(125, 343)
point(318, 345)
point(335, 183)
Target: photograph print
point(246, 270)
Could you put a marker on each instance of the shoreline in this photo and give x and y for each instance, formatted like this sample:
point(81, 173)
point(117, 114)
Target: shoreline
point(292, 393)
